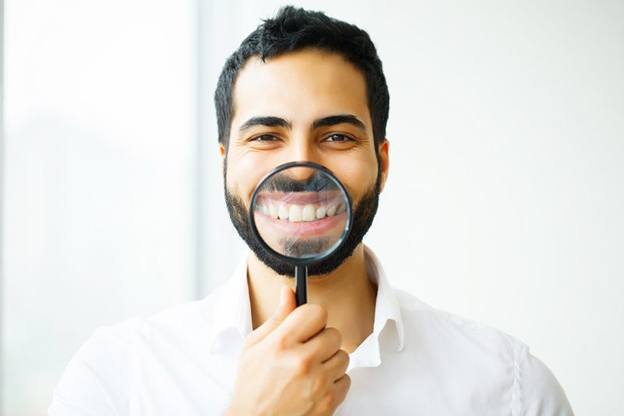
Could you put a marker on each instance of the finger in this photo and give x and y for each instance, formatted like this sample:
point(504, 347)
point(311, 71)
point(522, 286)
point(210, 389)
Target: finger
point(323, 345)
point(337, 365)
point(302, 324)
point(334, 397)
point(287, 304)
point(340, 389)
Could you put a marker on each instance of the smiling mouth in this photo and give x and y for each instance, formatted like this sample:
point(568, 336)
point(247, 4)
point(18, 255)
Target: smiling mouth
point(300, 206)
point(328, 227)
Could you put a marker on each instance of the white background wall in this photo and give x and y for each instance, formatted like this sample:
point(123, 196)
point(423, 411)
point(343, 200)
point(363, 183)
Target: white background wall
point(503, 205)
point(99, 177)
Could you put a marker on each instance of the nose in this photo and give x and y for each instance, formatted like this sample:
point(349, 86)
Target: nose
point(303, 150)
point(300, 173)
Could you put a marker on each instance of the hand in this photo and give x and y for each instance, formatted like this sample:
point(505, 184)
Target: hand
point(292, 364)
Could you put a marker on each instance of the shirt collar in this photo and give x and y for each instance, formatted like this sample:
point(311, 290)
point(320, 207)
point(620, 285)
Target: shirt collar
point(231, 312)
point(387, 308)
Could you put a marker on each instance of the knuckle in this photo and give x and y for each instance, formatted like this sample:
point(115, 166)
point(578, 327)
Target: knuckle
point(335, 335)
point(281, 343)
point(317, 312)
point(347, 382)
point(343, 359)
point(327, 403)
point(303, 365)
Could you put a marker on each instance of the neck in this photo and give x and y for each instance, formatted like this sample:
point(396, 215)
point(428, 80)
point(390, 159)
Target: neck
point(346, 293)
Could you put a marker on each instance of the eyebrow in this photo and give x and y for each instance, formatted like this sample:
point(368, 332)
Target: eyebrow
point(268, 121)
point(339, 119)
point(271, 121)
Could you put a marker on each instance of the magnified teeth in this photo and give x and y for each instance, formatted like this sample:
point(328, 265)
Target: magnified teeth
point(308, 213)
point(320, 212)
point(298, 213)
point(282, 212)
point(294, 213)
point(273, 211)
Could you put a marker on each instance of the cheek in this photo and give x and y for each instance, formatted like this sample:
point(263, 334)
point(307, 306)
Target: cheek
point(244, 173)
point(358, 176)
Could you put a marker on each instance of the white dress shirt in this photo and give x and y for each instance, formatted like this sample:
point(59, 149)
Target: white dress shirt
point(417, 361)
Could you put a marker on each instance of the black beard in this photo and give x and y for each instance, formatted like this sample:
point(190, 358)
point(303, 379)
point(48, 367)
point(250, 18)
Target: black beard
point(363, 216)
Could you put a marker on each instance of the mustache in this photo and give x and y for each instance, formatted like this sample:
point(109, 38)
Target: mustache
point(315, 183)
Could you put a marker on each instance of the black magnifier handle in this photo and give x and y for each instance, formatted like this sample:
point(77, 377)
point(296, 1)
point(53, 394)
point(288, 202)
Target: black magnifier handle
point(301, 284)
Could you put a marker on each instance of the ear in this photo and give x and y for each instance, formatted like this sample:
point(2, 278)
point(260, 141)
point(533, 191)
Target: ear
point(384, 159)
point(222, 153)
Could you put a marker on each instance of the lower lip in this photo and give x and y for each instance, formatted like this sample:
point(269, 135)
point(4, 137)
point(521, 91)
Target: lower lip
point(301, 228)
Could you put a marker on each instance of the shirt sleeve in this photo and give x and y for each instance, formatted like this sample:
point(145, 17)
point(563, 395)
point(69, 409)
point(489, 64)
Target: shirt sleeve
point(81, 392)
point(540, 392)
point(95, 381)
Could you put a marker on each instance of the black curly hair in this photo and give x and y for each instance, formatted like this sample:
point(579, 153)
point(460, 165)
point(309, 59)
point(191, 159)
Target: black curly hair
point(294, 29)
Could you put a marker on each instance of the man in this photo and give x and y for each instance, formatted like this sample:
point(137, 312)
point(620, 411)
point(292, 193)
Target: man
point(305, 87)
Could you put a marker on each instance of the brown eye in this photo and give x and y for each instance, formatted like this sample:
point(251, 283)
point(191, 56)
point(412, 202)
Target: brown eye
point(264, 138)
point(338, 138)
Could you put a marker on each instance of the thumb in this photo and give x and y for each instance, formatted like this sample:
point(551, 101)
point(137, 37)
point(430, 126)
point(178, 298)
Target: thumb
point(287, 304)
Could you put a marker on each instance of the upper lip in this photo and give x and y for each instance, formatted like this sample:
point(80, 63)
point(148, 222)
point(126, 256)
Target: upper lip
point(298, 198)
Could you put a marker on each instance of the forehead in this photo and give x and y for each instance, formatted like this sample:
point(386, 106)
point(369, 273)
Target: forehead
point(299, 87)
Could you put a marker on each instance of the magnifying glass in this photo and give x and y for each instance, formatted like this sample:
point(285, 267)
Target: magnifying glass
point(301, 214)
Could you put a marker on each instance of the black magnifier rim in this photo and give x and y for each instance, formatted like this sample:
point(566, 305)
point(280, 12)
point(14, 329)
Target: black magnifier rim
point(293, 260)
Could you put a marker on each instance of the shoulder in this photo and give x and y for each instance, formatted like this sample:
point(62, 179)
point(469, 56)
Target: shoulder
point(108, 340)
point(487, 350)
point(441, 327)
point(97, 377)
point(182, 320)
point(540, 392)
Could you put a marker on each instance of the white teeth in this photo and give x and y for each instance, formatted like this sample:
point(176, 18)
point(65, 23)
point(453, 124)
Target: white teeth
point(282, 212)
point(294, 213)
point(320, 212)
point(298, 213)
point(273, 211)
point(309, 213)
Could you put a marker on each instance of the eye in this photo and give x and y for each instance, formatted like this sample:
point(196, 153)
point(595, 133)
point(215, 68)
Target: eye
point(338, 138)
point(263, 138)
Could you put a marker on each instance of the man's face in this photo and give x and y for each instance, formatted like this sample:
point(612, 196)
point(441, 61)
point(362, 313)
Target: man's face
point(308, 105)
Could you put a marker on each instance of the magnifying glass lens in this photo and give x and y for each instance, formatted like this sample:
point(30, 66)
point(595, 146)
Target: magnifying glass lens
point(300, 212)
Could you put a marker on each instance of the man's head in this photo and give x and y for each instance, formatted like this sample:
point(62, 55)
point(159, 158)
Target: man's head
point(304, 86)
